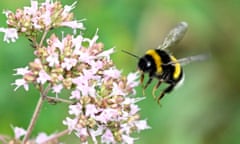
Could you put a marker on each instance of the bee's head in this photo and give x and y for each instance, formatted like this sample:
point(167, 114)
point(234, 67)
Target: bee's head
point(144, 64)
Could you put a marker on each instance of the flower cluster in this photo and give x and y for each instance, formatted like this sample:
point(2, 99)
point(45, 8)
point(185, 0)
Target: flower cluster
point(105, 110)
point(103, 106)
point(62, 62)
point(38, 18)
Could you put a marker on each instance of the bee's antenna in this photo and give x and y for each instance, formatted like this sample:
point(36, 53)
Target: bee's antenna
point(130, 54)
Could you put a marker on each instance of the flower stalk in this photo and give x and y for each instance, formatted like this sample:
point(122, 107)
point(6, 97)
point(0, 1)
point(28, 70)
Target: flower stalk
point(56, 136)
point(33, 119)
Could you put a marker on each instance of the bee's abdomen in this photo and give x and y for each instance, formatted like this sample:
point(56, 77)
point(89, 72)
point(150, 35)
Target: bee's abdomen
point(174, 71)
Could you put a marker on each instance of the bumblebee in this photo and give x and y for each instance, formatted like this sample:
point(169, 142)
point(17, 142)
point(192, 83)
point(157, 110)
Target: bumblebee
point(163, 66)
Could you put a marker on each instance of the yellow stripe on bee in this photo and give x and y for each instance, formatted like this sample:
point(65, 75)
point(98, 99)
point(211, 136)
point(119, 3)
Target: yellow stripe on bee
point(157, 60)
point(177, 71)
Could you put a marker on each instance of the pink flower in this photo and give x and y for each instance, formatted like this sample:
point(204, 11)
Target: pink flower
point(87, 90)
point(22, 71)
point(19, 83)
point(41, 138)
point(126, 128)
point(68, 8)
point(107, 114)
point(91, 74)
point(132, 79)
point(81, 132)
point(43, 77)
point(75, 95)
point(91, 110)
point(82, 83)
point(71, 123)
point(112, 72)
point(10, 34)
point(107, 137)
point(69, 63)
point(134, 109)
point(117, 90)
point(106, 53)
point(57, 88)
point(79, 80)
point(75, 109)
point(73, 24)
point(141, 125)
point(19, 132)
point(57, 43)
point(31, 10)
point(35, 23)
point(94, 133)
point(95, 66)
point(52, 59)
point(85, 57)
point(127, 139)
point(46, 17)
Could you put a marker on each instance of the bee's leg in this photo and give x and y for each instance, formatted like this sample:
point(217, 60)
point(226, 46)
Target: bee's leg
point(147, 84)
point(141, 82)
point(142, 78)
point(167, 90)
point(155, 88)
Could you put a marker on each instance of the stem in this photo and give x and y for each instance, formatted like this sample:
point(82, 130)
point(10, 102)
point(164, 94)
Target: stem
point(34, 119)
point(55, 99)
point(56, 136)
point(43, 37)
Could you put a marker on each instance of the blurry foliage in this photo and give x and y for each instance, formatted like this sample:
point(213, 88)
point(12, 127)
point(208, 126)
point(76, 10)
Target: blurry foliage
point(205, 110)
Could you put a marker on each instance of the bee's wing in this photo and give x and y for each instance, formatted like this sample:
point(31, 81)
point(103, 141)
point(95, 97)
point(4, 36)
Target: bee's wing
point(174, 36)
point(187, 60)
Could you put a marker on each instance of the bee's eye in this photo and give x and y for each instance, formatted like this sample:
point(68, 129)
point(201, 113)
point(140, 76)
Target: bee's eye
point(148, 63)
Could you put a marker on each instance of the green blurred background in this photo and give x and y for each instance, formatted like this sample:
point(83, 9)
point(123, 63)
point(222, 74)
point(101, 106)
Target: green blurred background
point(205, 110)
